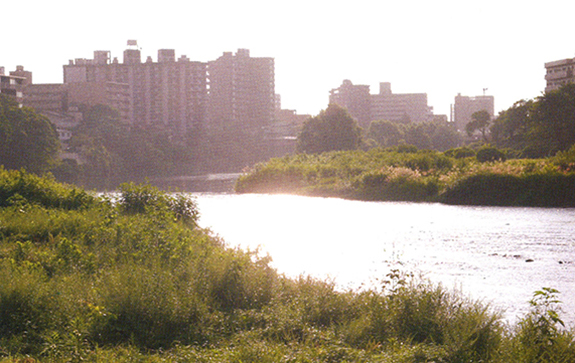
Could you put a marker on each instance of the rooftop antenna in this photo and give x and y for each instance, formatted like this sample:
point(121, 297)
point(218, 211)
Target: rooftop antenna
point(485, 89)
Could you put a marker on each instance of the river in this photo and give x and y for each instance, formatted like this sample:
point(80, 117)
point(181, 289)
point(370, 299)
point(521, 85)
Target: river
point(494, 254)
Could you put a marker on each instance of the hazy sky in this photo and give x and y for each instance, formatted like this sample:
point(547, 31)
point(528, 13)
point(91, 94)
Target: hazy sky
point(438, 47)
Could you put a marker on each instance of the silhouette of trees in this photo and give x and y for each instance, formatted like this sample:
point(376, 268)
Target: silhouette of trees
point(539, 127)
point(27, 140)
point(333, 129)
point(479, 122)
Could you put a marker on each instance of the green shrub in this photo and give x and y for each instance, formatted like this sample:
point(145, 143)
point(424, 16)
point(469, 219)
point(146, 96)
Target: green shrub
point(540, 336)
point(146, 198)
point(460, 152)
point(20, 187)
point(489, 153)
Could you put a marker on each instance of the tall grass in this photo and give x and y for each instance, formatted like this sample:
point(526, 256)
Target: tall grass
point(133, 281)
point(450, 177)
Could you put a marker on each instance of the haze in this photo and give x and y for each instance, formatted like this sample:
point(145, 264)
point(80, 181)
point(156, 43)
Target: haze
point(436, 47)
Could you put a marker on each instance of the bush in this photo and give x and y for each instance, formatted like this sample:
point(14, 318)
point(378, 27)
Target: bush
point(20, 187)
point(489, 153)
point(139, 199)
point(460, 152)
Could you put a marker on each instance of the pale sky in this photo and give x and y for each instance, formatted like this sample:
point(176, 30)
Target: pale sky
point(438, 47)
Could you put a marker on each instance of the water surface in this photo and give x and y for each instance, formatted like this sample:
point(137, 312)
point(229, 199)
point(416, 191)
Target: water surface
point(497, 254)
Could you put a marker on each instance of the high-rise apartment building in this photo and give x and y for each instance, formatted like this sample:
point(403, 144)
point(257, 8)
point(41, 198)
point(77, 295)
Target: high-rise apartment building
point(241, 92)
point(400, 107)
point(559, 73)
point(355, 98)
point(465, 106)
point(168, 93)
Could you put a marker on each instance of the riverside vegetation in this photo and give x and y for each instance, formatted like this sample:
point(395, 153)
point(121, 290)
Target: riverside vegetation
point(133, 278)
point(457, 176)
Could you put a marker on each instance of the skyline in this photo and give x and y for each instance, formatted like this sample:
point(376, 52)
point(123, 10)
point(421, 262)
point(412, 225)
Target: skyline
point(440, 48)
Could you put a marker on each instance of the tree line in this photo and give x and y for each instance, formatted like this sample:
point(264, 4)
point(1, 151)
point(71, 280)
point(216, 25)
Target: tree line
point(530, 128)
point(112, 152)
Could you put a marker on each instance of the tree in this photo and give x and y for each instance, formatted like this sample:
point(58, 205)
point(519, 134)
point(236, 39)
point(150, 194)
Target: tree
point(333, 129)
point(553, 120)
point(479, 121)
point(27, 140)
point(511, 127)
point(385, 133)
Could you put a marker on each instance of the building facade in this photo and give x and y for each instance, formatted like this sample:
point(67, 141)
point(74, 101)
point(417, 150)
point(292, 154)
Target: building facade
point(168, 93)
point(386, 105)
point(241, 92)
point(12, 86)
point(559, 73)
point(356, 99)
point(400, 107)
point(465, 106)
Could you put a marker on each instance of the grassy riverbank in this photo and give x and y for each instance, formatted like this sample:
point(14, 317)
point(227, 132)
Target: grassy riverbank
point(83, 279)
point(407, 174)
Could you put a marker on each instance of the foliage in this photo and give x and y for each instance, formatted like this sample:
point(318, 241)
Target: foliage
point(489, 153)
point(539, 127)
point(123, 280)
point(436, 135)
point(114, 152)
point(333, 129)
point(540, 336)
point(460, 152)
point(479, 122)
point(19, 188)
point(407, 174)
point(27, 139)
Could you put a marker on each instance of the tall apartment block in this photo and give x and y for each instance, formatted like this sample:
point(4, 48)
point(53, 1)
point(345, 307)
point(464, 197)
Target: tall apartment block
point(465, 106)
point(559, 73)
point(168, 93)
point(366, 107)
point(355, 98)
point(241, 92)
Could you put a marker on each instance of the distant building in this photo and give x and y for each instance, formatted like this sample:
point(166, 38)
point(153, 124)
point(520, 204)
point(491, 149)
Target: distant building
point(465, 106)
point(366, 107)
point(242, 92)
point(559, 73)
point(400, 107)
point(20, 72)
point(356, 99)
point(12, 86)
point(169, 93)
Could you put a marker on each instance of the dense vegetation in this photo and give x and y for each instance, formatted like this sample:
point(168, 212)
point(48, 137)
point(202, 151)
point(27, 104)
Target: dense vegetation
point(133, 278)
point(539, 127)
point(27, 139)
point(457, 176)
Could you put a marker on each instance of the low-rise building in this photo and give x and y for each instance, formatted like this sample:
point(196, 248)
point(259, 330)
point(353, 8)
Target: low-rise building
point(12, 86)
point(400, 107)
point(559, 73)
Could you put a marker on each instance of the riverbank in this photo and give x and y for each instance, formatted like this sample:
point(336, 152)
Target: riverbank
point(412, 175)
point(84, 279)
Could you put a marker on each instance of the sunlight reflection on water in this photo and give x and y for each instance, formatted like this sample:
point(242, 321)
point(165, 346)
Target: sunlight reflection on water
point(483, 251)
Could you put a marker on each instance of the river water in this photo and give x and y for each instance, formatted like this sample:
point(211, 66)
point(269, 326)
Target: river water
point(494, 254)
